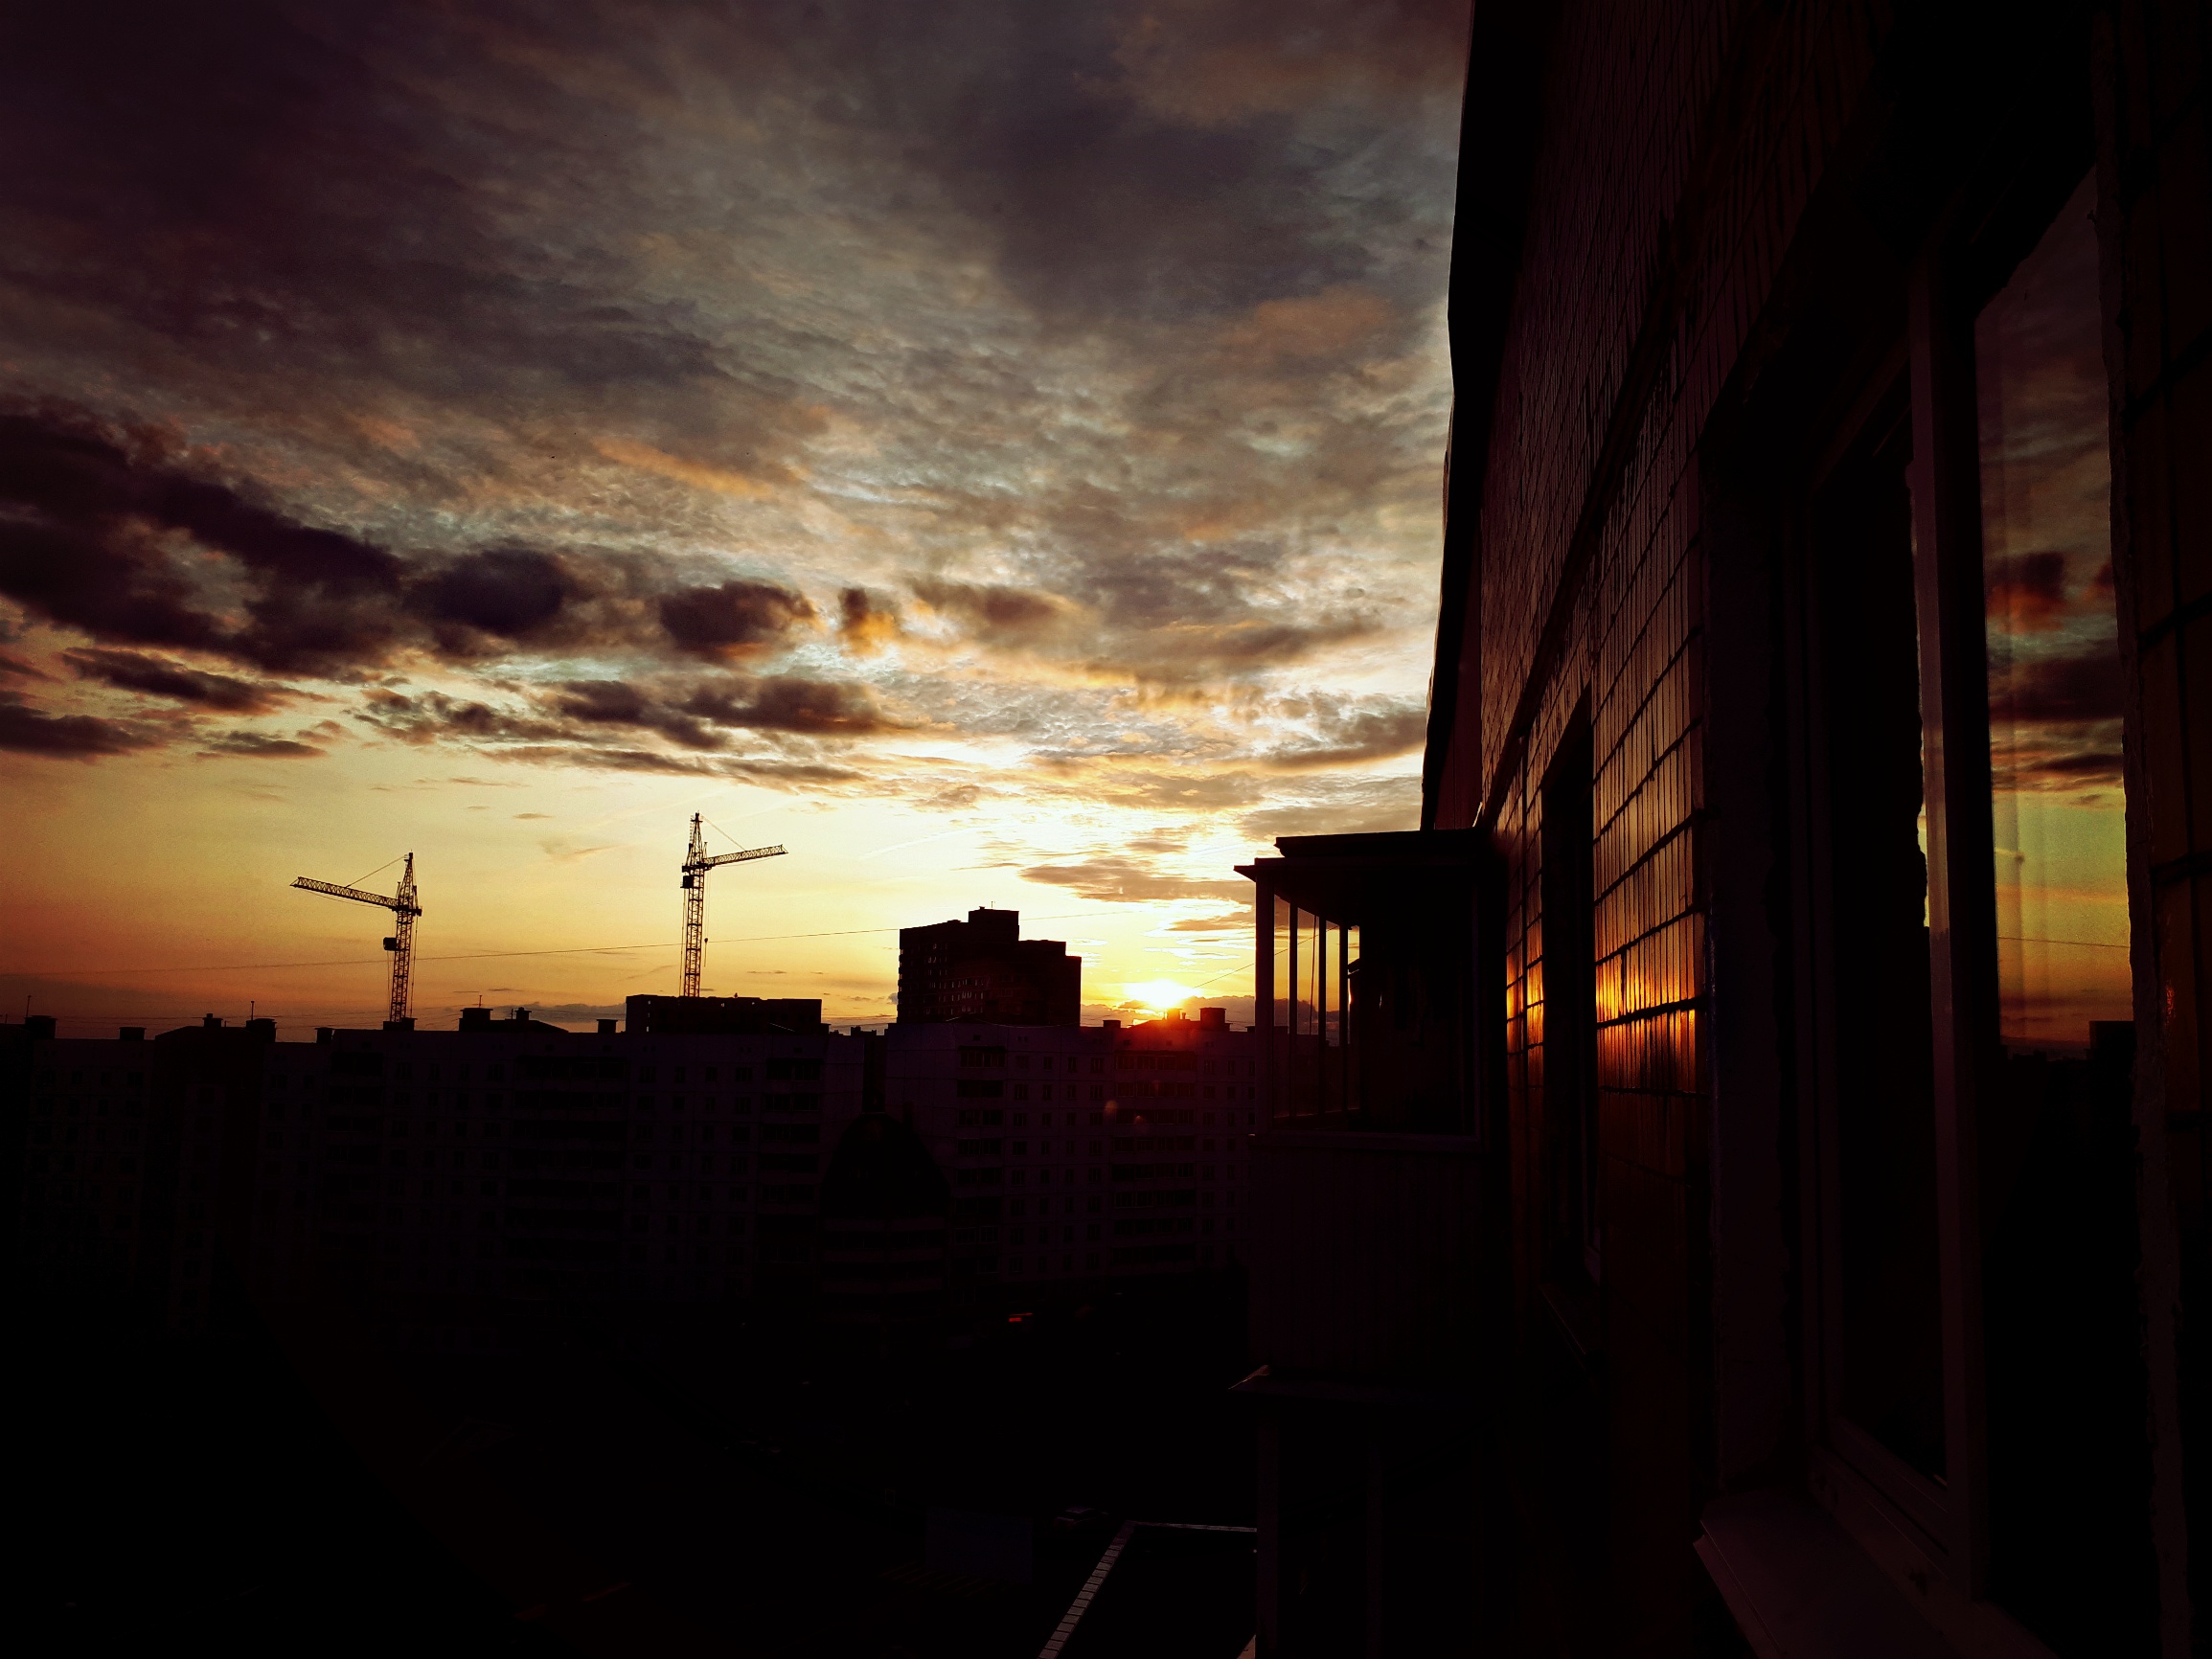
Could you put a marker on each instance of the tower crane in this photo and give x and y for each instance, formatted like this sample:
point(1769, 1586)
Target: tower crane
point(402, 943)
point(697, 863)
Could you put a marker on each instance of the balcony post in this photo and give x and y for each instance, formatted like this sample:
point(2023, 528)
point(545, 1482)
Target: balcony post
point(1263, 992)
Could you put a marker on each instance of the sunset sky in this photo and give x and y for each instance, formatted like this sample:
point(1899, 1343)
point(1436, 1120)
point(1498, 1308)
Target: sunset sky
point(992, 449)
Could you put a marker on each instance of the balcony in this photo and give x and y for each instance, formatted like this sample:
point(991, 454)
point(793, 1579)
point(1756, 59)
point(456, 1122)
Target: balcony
point(1369, 1216)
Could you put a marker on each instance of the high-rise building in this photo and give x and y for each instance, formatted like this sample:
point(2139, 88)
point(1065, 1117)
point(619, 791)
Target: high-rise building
point(1083, 1153)
point(982, 970)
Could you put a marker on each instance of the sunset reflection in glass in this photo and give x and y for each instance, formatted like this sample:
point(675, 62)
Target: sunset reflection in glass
point(2053, 669)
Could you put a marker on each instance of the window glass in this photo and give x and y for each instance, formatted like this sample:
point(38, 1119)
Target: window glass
point(2053, 662)
point(2064, 1381)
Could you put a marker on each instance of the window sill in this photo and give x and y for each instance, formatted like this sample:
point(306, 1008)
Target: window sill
point(1801, 1587)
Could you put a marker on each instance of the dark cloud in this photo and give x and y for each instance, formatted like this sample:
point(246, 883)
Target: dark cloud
point(256, 747)
point(70, 737)
point(498, 596)
point(2079, 687)
point(95, 537)
point(618, 703)
point(734, 619)
point(704, 717)
point(104, 535)
point(2029, 589)
point(159, 677)
point(866, 621)
point(432, 717)
point(1350, 733)
point(477, 337)
point(995, 614)
point(807, 708)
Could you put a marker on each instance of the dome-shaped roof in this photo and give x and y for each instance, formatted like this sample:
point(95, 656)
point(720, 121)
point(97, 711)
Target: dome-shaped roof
point(881, 1169)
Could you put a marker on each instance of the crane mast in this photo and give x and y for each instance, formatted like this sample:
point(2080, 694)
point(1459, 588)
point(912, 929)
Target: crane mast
point(696, 864)
point(694, 911)
point(400, 943)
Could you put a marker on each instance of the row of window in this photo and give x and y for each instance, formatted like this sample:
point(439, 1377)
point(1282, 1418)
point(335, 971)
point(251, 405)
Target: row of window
point(974, 1057)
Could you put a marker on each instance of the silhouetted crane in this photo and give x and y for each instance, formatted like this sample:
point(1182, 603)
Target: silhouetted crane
point(696, 864)
point(401, 945)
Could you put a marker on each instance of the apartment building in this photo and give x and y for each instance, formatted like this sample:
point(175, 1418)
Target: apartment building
point(1081, 1153)
point(1769, 1212)
point(460, 1183)
point(982, 971)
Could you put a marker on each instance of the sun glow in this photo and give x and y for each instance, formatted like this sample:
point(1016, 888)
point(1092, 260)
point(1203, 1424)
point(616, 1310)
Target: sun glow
point(1159, 995)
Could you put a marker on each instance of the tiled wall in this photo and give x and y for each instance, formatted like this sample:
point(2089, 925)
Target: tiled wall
point(1681, 145)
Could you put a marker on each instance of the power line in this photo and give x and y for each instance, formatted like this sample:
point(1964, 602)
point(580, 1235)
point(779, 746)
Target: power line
point(486, 955)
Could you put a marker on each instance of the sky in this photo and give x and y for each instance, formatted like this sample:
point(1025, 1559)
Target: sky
point(992, 450)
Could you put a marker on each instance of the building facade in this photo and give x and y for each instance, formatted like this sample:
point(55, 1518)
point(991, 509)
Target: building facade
point(461, 1186)
point(983, 971)
point(1810, 775)
point(1082, 1153)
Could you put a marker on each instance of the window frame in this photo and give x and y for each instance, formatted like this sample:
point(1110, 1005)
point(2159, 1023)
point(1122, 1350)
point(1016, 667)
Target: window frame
point(1971, 254)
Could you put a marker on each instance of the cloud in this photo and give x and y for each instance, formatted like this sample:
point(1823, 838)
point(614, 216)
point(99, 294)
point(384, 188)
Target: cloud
point(564, 850)
point(726, 394)
point(810, 708)
point(618, 703)
point(1232, 921)
point(434, 716)
point(157, 676)
point(1208, 64)
point(255, 745)
point(867, 621)
point(494, 598)
point(2082, 685)
point(998, 615)
point(1116, 880)
point(1340, 806)
point(1343, 734)
point(27, 731)
point(2028, 589)
point(734, 619)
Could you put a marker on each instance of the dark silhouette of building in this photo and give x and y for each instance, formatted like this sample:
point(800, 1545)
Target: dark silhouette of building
point(468, 1189)
point(983, 970)
point(884, 1202)
point(1734, 1177)
point(1078, 1154)
point(722, 1015)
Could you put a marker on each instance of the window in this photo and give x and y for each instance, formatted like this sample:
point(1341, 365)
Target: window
point(1970, 1054)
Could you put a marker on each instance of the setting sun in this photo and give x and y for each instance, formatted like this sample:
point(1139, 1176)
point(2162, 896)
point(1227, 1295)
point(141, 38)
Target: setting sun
point(1159, 994)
